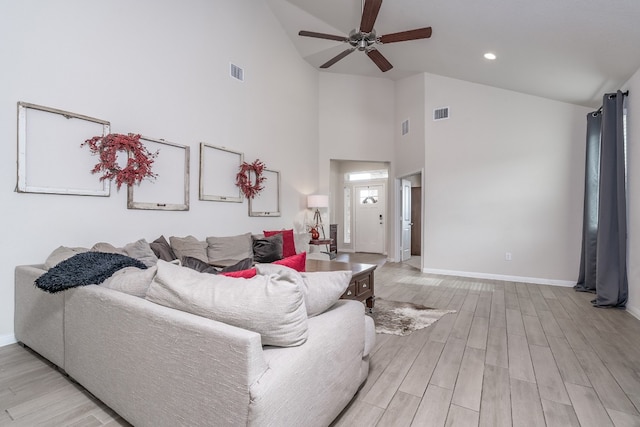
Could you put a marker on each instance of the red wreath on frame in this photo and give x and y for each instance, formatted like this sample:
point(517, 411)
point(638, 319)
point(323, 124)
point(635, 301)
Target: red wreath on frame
point(139, 159)
point(250, 188)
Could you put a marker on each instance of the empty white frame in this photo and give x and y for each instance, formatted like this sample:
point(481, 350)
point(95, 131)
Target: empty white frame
point(218, 169)
point(50, 157)
point(267, 202)
point(169, 191)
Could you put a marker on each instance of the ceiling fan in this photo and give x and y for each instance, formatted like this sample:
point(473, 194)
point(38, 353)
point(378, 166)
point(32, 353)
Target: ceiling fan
point(364, 38)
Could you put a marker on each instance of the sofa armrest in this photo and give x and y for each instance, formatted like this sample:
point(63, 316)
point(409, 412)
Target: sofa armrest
point(38, 315)
point(158, 366)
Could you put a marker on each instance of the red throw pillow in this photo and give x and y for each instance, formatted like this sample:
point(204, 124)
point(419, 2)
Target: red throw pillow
point(288, 244)
point(297, 262)
point(243, 274)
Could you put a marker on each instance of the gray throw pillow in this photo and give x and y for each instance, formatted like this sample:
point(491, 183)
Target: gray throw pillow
point(203, 267)
point(141, 251)
point(267, 249)
point(162, 249)
point(189, 246)
point(229, 247)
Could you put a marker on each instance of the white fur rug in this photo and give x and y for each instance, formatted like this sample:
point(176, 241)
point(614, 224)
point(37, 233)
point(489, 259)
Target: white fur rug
point(402, 318)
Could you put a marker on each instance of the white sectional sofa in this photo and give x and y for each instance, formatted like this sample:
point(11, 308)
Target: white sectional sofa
point(160, 366)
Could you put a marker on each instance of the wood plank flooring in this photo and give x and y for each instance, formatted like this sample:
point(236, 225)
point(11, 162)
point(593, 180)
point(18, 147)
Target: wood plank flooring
point(512, 355)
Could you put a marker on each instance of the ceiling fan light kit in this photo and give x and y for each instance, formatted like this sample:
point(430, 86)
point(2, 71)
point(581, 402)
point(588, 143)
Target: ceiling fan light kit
point(364, 38)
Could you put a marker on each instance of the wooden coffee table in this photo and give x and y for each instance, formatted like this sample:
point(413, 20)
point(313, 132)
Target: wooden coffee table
point(360, 288)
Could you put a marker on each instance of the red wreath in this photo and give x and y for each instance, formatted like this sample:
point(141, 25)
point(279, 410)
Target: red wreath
point(139, 159)
point(243, 178)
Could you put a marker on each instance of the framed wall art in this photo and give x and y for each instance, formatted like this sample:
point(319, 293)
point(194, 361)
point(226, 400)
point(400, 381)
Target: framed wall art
point(218, 168)
point(169, 191)
point(50, 157)
point(267, 202)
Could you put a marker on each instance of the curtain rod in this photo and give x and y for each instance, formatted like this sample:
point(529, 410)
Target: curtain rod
point(613, 95)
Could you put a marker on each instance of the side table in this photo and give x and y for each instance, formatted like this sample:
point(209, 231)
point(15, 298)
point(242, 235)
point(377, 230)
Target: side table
point(326, 243)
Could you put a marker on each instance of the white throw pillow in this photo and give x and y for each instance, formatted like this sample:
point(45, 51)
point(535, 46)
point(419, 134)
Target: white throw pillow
point(131, 280)
point(60, 254)
point(321, 289)
point(272, 305)
point(141, 250)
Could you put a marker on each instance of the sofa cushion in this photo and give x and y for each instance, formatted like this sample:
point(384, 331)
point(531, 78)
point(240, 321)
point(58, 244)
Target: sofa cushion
point(189, 246)
point(107, 248)
point(321, 289)
point(86, 268)
point(267, 249)
point(60, 254)
point(197, 265)
point(141, 250)
point(162, 249)
point(203, 267)
point(229, 247)
point(131, 280)
point(297, 262)
point(272, 306)
point(288, 242)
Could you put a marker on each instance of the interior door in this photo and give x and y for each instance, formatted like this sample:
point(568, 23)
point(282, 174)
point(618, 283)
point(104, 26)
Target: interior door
point(406, 220)
point(416, 219)
point(370, 211)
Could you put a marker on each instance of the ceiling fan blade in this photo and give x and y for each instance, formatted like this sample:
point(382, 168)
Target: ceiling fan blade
point(337, 58)
point(323, 36)
point(420, 33)
point(369, 15)
point(379, 60)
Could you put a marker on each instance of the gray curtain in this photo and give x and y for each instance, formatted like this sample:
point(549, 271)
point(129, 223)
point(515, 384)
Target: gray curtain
point(603, 264)
point(587, 275)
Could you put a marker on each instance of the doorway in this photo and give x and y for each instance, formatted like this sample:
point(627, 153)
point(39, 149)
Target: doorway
point(410, 251)
point(370, 213)
point(359, 227)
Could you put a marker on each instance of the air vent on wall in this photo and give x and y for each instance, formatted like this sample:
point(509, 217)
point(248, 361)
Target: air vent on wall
point(237, 72)
point(405, 127)
point(441, 113)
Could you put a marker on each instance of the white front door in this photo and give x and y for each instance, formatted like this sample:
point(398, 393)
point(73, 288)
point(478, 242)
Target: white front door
point(370, 207)
point(406, 220)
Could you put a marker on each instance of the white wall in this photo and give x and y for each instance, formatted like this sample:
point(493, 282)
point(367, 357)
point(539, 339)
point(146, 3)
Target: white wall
point(160, 68)
point(503, 174)
point(410, 102)
point(633, 191)
point(356, 119)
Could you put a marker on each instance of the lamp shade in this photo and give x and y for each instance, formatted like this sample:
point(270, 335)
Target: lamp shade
point(318, 201)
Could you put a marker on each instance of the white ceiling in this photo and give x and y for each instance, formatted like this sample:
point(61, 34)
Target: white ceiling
point(568, 50)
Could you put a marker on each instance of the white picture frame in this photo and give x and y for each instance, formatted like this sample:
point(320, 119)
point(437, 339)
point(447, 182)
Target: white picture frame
point(218, 169)
point(169, 191)
point(267, 202)
point(51, 159)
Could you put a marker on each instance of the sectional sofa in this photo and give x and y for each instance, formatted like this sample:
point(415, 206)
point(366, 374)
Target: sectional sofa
point(274, 350)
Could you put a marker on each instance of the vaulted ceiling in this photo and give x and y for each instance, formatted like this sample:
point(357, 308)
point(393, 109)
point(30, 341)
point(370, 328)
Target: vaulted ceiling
point(568, 50)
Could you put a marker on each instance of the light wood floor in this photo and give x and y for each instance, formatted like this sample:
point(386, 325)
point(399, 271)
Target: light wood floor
point(512, 354)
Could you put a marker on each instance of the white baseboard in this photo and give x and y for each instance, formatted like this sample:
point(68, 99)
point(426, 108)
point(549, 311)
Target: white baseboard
point(501, 277)
point(634, 312)
point(7, 339)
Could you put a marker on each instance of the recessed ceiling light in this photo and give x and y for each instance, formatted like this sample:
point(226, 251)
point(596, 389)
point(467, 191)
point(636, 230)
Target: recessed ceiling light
point(490, 56)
